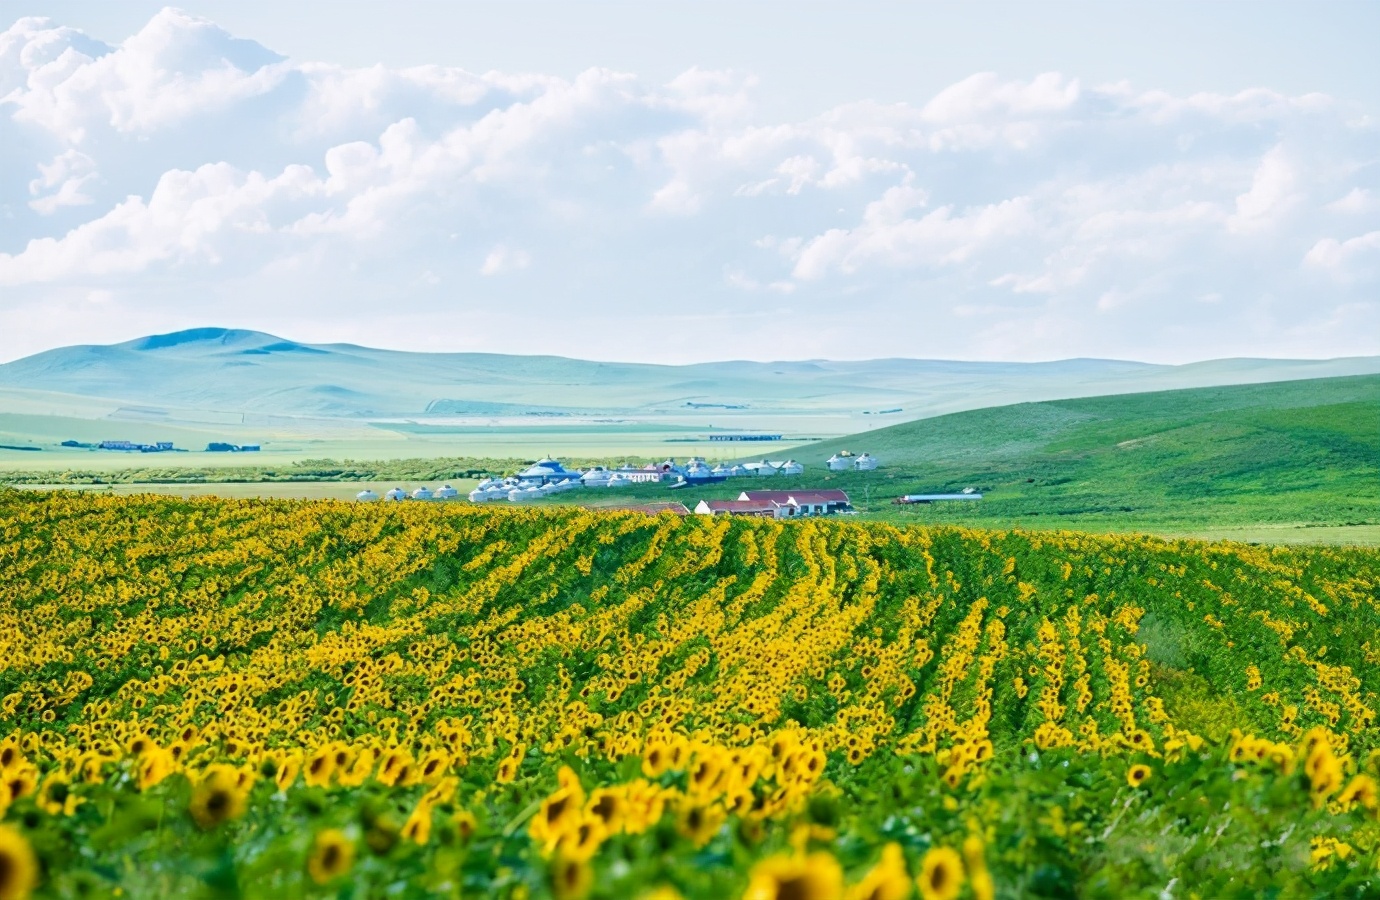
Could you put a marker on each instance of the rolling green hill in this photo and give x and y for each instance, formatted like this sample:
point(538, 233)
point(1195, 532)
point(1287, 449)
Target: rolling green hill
point(1289, 452)
point(1187, 461)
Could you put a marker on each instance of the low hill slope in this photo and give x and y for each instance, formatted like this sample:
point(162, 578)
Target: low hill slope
point(1298, 451)
point(568, 702)
point(229, 370)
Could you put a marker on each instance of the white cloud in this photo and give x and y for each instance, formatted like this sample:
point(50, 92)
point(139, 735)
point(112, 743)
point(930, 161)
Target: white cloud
point(503, 259)
point(61, 182)
point(1345, 260)
point(1025, 217)
point(889, 236)
point(1357, 201)
point(1271, 194)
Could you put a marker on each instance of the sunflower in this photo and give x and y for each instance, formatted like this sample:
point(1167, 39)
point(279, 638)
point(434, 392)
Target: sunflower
point(1137, 775)
point(608, 805)
point(19, 782)
point(559, 812)
point(289, 767)
point(979, 879)
point(332, 855)
point(358, 772)
point(655, 760)
point(465, 825)
point(782, 877)
point(217, 798)
point(571, 879)
point(154, 766)
point(1324, 778)
point(18, 867)
point(319, 768)
point(1360, 791)
point(508, 768)
point(699, 823)
point(582, 841)
point(887, 880)
point(941, 874)
point(417, 828)
point(434, 766)
point(705, 775)
point(56, 797)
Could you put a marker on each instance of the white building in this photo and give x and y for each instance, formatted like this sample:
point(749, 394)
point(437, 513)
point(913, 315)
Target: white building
point(838, 463)
point(770, 467)
point(865, 463)
point(634, 475)
point(446, 492)
point(422, 493)
point(596, 477)
point(544, 470)
point(366, 495)
point(395, 494)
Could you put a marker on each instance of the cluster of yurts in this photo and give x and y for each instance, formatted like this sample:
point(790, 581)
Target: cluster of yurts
point(548, 476)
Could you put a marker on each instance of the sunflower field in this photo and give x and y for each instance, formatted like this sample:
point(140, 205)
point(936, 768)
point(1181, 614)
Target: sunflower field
point(319, 699)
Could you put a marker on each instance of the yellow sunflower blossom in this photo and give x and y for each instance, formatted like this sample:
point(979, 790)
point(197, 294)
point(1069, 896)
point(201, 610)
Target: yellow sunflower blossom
point(941, 874)
point(332, 855)
point(817, 876)
point(18, 865)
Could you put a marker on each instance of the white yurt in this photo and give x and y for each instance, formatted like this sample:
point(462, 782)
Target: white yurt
point(721, 470)
point(596, 477)
point(366, 495)
point(865, 463)
point(839, 463)
point(395, 494)
point(422, 493)
point(737, 471)
point(446, 492)
point(479, 495)
point(618, 479)
point(791, 467)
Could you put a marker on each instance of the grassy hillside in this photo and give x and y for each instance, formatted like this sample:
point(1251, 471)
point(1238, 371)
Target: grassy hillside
point(1299, 452)
point(306, 699)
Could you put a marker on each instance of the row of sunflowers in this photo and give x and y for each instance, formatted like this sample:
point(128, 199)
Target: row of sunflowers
point(291, 699)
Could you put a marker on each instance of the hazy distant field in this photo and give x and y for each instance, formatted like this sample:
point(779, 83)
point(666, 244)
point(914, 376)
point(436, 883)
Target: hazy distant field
point(608, 442)
point(326, 490)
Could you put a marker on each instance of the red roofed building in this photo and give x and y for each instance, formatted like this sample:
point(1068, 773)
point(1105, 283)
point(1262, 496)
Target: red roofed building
point(737, 508)
point(810, 503)
point(777, 504)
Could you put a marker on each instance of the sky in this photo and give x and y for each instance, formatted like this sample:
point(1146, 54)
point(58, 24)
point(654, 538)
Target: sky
point(677, 182)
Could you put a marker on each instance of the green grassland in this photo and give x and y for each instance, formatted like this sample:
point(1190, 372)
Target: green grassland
point(1284, 462)
point(1278, 459)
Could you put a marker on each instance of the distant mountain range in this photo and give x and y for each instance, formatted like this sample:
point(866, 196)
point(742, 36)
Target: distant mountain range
point(232, 371)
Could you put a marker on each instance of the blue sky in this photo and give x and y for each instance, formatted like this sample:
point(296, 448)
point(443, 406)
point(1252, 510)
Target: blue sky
point(677, 182)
